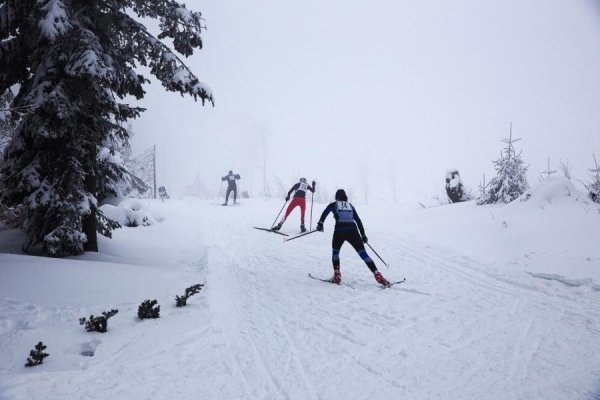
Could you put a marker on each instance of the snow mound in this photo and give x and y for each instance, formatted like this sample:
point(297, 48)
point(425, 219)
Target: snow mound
point(553, 189)
point(130, 212)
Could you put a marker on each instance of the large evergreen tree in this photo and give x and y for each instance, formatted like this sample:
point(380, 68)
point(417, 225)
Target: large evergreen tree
point(74, 61)
point(511, 176)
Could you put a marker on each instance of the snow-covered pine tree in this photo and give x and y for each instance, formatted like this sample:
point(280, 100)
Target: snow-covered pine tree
point(511, 176)
point(74, 63)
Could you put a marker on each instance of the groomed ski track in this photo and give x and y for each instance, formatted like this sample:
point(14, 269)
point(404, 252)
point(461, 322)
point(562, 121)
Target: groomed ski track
point(261, 329)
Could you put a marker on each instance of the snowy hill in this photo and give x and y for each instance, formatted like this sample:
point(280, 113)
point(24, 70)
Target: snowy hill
point(500, 302)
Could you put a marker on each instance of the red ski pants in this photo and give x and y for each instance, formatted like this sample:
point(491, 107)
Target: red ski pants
point(296, 201)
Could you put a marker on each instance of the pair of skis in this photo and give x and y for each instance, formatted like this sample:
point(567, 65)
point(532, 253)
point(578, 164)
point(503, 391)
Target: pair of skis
point(287, 238)
point(271, 230)
point(382, 286)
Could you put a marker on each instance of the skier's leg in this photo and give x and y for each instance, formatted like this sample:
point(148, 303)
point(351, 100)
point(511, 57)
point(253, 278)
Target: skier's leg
point(356, 241)
point(336, 245)
point(302, 203)
point(234, 194)
point(293, 204)
point(227, 195)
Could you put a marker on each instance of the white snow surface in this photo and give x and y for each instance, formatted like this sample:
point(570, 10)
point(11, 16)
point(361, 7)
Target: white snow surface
point(500, 302)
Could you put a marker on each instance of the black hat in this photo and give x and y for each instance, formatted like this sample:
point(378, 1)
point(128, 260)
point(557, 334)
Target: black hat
point(230, 172)
point(340, 195)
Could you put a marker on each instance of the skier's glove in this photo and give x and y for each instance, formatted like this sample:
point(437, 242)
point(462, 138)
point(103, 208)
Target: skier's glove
point(364, 239)
point(320, 227)
point(314, 183)
point(287, 198)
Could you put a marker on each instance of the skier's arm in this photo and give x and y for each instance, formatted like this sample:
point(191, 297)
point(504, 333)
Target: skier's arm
point(358, 222)
point(294, 188)
point(224, 178)
point(237, 176)
point(326, 212)
point(313, 187)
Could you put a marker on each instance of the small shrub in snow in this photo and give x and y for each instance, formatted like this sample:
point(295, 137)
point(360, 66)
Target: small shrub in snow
point(98, 324)
point(510, 181)
point(181, 301)
point(37, 355)
point(149, 309)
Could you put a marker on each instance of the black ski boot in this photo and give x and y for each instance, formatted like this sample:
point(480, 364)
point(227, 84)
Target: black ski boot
point(277, 227)
point(302, 228)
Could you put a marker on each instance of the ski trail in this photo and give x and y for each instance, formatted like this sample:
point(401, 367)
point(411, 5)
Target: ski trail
point(261, 329)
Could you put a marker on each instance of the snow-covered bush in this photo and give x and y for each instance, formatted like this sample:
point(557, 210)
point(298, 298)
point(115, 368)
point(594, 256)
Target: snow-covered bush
point(130, 212)
point(181, 301)
point(454, 187)
point(98, 324)
point(37, 355)
point(510, 181)
point(149, 309)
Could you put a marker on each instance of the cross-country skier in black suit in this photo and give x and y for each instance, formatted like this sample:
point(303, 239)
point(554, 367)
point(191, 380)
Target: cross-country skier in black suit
point(232, 187)
point(348, 228)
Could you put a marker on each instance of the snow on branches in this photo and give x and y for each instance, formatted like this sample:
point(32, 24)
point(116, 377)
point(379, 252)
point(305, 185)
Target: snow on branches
point(510, 181)
point(53, 20)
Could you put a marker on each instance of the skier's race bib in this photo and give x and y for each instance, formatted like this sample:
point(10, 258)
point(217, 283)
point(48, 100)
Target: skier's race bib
point(303, 187)
point(344, 211)
point(231, 177)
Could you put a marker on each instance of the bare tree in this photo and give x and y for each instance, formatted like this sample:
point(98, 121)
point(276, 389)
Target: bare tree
point(566, 168)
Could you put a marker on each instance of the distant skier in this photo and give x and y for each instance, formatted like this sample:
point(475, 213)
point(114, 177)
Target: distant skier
point(232, 186)
point(299, 200)
point(347, 227)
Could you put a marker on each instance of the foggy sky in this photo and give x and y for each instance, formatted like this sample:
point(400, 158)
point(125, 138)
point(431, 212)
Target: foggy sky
point(410, 89)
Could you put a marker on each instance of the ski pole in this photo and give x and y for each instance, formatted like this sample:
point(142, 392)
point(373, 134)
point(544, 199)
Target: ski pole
point(219, 195)
point(273, 224)
point(300, 235)
point(312, 198)
point(384, 263)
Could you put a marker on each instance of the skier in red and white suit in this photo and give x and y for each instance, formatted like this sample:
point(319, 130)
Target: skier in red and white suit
point(298, 200)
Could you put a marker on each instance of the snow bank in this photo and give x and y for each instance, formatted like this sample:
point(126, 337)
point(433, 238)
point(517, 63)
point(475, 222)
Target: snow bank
point(551, 229)
point(552, 189)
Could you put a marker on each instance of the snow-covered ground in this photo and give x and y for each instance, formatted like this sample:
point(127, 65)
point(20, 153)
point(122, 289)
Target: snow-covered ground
point(500, 302)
